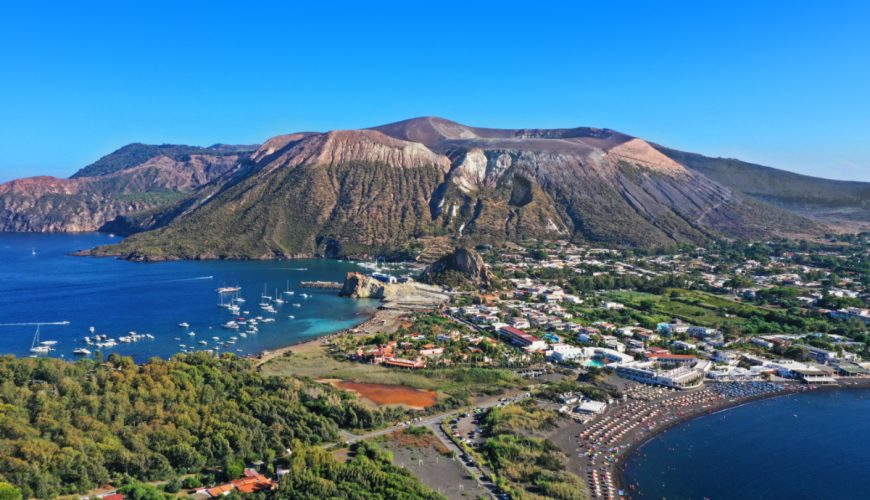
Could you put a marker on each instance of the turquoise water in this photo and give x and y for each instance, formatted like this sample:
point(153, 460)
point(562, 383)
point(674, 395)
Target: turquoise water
point(593, 362)
point(804, 446)
point(116, 296)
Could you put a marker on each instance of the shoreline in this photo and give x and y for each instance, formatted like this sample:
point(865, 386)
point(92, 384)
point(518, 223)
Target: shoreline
point(618, 466)
point(387, 315)
point(380, 315)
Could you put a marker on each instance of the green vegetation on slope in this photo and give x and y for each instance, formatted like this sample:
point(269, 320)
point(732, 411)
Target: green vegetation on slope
point(348, 209)
point(67, 427)
point(314, 474)
point(136, 154)
point(528, 466)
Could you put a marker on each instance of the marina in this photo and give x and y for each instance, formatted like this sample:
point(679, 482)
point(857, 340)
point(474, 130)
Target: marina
point(159, 309)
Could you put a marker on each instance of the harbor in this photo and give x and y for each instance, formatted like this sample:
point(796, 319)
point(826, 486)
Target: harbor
point(160, 310)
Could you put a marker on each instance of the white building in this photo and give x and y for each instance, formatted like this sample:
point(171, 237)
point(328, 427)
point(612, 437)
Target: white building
point(561, 353)
point(649, 372)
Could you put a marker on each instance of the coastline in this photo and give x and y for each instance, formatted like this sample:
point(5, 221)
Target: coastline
point(387, 316)
point(618, 466)
point(380, 318)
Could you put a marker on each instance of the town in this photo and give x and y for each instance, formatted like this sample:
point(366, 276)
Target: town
point(624, 344)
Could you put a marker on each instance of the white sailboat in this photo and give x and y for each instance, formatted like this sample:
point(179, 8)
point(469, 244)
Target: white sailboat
point(38, 347)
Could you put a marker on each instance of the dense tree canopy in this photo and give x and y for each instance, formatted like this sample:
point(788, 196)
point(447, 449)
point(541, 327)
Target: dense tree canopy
point(67, 427)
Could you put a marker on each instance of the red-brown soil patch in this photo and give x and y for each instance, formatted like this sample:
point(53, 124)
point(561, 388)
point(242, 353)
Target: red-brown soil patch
point(386, 394)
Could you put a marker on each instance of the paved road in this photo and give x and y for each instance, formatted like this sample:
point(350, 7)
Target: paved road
point(479, 472)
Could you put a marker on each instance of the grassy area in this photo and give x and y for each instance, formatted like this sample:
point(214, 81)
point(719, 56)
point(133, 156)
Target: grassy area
point(456, 382)
point(693, 306)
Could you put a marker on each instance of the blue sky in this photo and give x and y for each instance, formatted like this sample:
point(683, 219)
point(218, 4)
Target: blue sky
point(779, 83)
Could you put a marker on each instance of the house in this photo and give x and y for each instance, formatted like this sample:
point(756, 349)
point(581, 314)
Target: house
point(722, 357)
point(520, 323)
point(253, 482)
point(431, 351)
point(825, 356)
point(684, 346)
point(852, 312)
point(220, 490)
point(761, 342)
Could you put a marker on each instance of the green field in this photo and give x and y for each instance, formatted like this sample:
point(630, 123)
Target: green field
point(459, 383)
point(692, 306)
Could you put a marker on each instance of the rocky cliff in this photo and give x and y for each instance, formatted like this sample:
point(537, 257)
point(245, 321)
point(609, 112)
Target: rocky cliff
point(360, 286)
point(463, 264)
point(135, 178)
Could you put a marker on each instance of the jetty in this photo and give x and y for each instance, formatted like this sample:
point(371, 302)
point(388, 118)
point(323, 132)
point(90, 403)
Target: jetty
point(329, 285)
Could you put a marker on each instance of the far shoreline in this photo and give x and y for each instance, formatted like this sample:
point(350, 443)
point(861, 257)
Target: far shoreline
point(618, 467)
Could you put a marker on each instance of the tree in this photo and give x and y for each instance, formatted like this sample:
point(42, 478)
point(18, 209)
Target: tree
point(539, 254)
point(233, 468)
point(9, 492)
point(172, 486)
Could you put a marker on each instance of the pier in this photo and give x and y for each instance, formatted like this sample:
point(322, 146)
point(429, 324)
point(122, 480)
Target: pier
point(328, 285)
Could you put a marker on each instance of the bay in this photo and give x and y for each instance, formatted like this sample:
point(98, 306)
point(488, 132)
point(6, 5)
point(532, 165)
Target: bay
point(811, 445)
point(41, 282)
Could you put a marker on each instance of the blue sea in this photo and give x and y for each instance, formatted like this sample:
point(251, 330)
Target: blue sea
point(40, 282)
point(813, 445)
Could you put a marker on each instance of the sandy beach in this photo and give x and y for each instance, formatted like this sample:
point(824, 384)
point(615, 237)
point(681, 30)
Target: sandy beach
point(413, 297)
point(631, 442)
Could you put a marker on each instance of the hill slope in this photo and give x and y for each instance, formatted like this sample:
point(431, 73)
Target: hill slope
point(133, 179)
point(368, 192)
point(810, 196)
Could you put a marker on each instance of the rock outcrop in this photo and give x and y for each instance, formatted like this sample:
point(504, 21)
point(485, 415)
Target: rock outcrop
point(464, 263)
point(360, 286)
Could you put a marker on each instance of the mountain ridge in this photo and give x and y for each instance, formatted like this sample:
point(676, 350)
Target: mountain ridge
point(379, 190)
point(130, 180)
point(376, 191)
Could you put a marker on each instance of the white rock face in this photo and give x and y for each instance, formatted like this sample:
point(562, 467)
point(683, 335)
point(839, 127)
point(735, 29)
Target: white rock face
point(344, 146)
point(471, 173)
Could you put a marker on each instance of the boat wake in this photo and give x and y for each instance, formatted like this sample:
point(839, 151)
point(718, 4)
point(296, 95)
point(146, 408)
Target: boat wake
point(34, 323)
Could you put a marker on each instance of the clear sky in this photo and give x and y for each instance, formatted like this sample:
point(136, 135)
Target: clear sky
point(780, 83)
